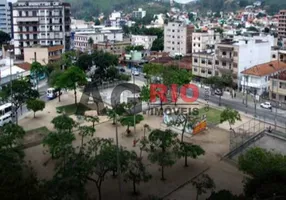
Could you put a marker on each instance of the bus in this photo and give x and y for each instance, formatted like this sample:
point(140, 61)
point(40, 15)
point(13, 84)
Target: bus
point(6, 112)
point(53, 93)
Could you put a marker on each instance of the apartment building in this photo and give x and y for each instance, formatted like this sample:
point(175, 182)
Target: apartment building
point(204, 40)
point(5, 17)
point(43, 55)
point(117, 48)
point(81, 40)
point(234, 56)
point(41, 22)
point(203, 64)
point(277, 87)
point(143, 40)
point(178, 38)
point(139, 14)
point(282, 24)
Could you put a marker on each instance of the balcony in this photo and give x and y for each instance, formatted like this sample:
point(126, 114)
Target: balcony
point(225, 58)
point(28, 19)
point(55, 57)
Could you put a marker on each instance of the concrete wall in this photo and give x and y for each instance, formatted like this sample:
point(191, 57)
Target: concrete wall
point(42, 55)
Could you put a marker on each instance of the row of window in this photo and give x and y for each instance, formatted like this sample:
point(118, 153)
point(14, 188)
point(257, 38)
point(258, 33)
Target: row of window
point(203, 71)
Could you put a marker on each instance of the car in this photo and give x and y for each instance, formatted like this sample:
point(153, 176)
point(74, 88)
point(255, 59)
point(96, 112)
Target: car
point(122, 70)
point(218, 92)
point(135, 73)
point(266, 105)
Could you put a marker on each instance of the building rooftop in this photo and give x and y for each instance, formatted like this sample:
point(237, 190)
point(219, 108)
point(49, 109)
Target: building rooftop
point(265, 68)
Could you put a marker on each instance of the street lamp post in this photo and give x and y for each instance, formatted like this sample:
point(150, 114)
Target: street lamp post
point(118, 161)
point(11, 84)
point(134, 115)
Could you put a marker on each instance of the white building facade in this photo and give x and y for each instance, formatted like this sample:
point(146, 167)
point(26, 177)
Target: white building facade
point(178, 38)
point(41, 22)
point(201, 41)
point(139, 14)
point(5, 16)
point(144, 40)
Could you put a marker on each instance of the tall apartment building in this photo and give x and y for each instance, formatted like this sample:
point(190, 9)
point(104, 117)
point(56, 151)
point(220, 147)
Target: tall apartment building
point(5, 16)
point(282, 24)
point(204, 40)
point(41, 22)
point(178, 38)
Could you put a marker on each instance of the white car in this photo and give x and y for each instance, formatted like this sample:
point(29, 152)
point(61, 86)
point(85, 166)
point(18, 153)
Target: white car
point(135, 73)
point(266, 105)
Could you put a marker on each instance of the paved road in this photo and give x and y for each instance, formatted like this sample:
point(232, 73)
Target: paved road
point(261, 113)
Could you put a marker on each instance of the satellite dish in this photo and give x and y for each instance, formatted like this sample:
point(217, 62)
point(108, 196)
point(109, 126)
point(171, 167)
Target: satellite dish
point(184, 1)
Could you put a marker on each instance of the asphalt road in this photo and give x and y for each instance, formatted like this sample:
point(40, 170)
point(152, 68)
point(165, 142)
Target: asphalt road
point(261, 113)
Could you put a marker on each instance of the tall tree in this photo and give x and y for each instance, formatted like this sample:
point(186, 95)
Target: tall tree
point(145, 95)
point(162, 149)
point(136, 171)
point(84, 61)
point(128, 121)
point(54, 81)
point(189, 150)
point(37, 69)
point(71, 78)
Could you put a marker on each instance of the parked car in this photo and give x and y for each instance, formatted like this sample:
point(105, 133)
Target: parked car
point(266, 105)
point(218, 92)
point(122, 70)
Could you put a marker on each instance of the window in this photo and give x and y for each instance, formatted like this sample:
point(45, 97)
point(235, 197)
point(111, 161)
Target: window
point(199, 45)
point(217, 62)
point(210, 62)
point(234, 65)
point(194, 44)
point(273, 96)
point(199, 38)
point(203, 61)
point(195, 69)
point(173, 31)
point(235, 54)
point(195, 60)
point(224, 64)
point(224, 53)
point(178, 42)
point(209, 72)
point(203, 71)
point(273, 56)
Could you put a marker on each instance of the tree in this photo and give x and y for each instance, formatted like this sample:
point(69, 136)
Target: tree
point(21, 92)
point(267, 170)
point(68, 58)
point(136, 172)
point(90, 42)
point(203, 183)
point(134, 48)
point(84, 61)
point(36, 70)
point(63, 123)
point(71, 78)
point(92, 119)
point(10, 136)
point(162, 148)
point(189, 150)
point(85, 131)
point(118, 110)
point(53, 81)
point(158, 44)
point(145, 95)
point(97, 22)
point(252, 29)
point(229, 115)
point(128, 121)
point(35, 105)
point(4, 38)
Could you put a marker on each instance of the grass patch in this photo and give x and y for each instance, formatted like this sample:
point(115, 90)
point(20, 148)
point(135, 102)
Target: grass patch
point(213, 115)
point(72, 109)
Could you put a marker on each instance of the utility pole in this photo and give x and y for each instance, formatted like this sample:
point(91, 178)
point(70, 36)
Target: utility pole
point(134, 108)
point(244, 77)
point(246, 91)
point(11, 83)
point(118, 160)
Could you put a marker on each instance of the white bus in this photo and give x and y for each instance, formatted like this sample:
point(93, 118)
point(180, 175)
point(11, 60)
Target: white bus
point(5, 113)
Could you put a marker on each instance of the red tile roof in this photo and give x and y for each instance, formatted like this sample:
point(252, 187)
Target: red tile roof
point(265, 68)
point(25, 66)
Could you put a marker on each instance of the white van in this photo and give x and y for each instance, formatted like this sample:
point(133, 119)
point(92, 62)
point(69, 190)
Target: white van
point(52, 93)
point(5, 114)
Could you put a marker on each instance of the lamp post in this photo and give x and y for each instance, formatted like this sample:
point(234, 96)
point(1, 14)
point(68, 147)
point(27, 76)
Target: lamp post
point(117, 158)
point(134, 115)
point(11, 90)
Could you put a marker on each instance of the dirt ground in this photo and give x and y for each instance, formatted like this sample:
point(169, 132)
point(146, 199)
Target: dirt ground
point(215, 142)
